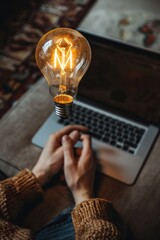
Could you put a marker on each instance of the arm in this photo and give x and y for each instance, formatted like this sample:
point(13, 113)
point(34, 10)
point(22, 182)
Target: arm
point(92, 218)
point(9, 231)
point(15, 192)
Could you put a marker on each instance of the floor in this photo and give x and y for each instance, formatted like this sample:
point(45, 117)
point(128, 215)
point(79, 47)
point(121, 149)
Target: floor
point(136, 22)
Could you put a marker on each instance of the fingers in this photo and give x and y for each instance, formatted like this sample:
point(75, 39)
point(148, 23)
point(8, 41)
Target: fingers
point(56, 137)
point(67, 144)
point(70, 128)
point(79, 168)
point(87, 146)
point(74, 135)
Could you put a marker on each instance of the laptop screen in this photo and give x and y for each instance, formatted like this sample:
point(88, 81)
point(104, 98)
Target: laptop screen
point(123, 78)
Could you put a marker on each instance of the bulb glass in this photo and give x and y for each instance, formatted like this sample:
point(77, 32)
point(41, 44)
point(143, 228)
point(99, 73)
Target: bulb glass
point(63, 55)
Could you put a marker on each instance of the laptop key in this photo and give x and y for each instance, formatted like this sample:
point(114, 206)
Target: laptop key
point(113, 142)
point(106, 139)
point(131, 144)
point(131, 151)
point(95, 135)
point(125, 147)
point(137, 140)
point(119, 145)
point(140, 130)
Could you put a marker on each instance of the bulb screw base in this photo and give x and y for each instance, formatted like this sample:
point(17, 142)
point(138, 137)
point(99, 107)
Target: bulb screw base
point(63, 110)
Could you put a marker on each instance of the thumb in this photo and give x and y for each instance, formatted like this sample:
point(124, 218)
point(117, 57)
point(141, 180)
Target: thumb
point(67, 149)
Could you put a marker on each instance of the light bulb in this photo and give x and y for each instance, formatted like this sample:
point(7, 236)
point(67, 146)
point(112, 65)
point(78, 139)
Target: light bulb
point(63, 55)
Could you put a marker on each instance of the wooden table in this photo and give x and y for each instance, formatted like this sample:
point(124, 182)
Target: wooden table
point(138, 204)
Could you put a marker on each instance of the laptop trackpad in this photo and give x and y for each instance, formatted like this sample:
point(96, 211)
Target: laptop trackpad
point(116, 163)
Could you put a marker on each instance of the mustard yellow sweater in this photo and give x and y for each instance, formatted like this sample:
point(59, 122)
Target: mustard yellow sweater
point(91, 219)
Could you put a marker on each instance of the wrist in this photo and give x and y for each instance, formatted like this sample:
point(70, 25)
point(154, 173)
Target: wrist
point(82, 196)
point(40, 176)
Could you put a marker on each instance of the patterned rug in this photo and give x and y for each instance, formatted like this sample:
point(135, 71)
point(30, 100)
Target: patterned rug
point(19, 36)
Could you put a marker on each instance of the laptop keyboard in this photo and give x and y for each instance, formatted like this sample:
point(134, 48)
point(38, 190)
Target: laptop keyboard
point(107, 129)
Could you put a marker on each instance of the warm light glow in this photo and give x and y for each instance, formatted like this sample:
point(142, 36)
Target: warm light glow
point(63, 54)
point(63, 99)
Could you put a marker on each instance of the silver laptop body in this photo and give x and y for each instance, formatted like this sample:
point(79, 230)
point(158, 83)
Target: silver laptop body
point(115, 160)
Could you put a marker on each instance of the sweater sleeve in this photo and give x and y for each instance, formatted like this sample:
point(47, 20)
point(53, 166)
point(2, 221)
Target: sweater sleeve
point(93, 219)
point(9, 231)
point(15, 192)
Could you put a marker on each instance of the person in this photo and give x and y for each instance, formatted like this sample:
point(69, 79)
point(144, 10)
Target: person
point(91, 217)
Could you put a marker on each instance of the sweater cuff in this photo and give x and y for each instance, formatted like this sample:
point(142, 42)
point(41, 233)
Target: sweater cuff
point(16, 192)
point(94, 208)
point(27, 185)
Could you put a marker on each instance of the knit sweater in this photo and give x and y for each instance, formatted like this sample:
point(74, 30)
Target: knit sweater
point(92, 219)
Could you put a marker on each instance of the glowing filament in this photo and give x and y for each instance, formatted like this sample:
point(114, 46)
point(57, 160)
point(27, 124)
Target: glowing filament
point(63, 54)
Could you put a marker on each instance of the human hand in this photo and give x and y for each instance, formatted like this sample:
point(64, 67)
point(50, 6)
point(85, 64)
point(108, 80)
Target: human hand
point(51, 159)
point(79, 168)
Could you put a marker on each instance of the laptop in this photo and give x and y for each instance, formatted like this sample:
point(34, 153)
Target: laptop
point(118, 99)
